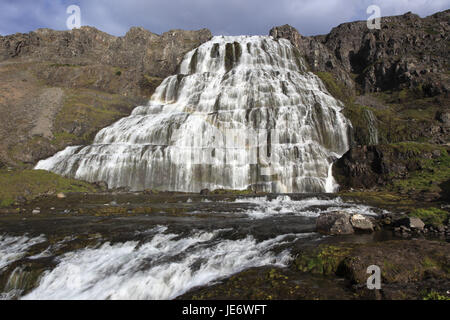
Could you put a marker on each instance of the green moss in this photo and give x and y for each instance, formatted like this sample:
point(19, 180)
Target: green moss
point(379, 199)
point(232, 192)
point(432, 173)
point(32, 183)
point(63, 138)
point(148, 84)
point(336, 89)
point(434, 295)
point(323, 260)
point(84, 113)
point(58, 65)
point(432, 216)
point(431, 31)
point(6, 202)
point(415, 148)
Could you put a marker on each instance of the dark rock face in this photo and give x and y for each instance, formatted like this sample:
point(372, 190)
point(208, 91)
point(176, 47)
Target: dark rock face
point(378, 165)
point(318, 56)
point(408, 52)
point(334, 223)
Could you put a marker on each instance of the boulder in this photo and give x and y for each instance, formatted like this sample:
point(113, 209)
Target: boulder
point(361, 223)
point(204, 192)
point(60, 195)
point(336, 222)
point(410, 223)
point(102, 185)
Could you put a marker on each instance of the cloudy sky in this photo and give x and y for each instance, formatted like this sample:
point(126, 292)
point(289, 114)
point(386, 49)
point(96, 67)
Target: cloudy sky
point(227, 17)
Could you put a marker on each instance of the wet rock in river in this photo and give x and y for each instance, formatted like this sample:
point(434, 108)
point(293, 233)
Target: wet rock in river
point(361, 223)
point(410, 223)
point(335, 222)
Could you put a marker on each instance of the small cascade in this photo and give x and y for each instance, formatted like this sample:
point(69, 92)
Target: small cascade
point(371, 126)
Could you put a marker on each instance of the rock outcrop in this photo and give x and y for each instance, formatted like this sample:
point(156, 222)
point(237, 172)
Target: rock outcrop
point(404, 167)
point(407, 52)
point(59, 88)
point(334, 223)
point(140, 49)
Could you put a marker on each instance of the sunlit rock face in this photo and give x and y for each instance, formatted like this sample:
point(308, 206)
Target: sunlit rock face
point(242, 112)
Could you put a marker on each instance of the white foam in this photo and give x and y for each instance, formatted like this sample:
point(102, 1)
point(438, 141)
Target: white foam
point(309, 207)
point(14, 248)
point(162, 268)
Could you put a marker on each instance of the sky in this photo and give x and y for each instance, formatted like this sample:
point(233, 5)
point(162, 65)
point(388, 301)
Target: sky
point(222, 17)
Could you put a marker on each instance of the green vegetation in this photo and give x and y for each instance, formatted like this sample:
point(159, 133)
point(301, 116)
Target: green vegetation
point(148, 84)
point(433, 295)
point(58, 65)
point(431, 31)
point(232, 192)
point(84, 112)
point(433, 216)
point(430, 173)
point(403, 115)
point(32, 183)
point(354, 112)
point(380, 199)
point(336, 89)
point(323, 260)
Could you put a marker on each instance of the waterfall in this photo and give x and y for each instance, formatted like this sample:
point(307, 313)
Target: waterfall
point(243, 112)
point(371, 126)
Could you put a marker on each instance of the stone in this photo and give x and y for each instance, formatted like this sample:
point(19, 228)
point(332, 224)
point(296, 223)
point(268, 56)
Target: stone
point(36, 211)
point(365, 167)
point(204, 192)
point(102, 185)
point(410, 223)
point(353, 48)
point(60, 195)
point(334, 223)
point(361, 223)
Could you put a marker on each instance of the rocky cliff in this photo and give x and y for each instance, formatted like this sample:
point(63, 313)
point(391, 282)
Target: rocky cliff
point(58, 88)
point(407, 52)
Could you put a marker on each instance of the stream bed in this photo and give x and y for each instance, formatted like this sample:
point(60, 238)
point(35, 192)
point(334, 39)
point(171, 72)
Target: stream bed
point(108, 247)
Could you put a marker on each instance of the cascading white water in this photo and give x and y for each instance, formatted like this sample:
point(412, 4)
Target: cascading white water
point(242, 112)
